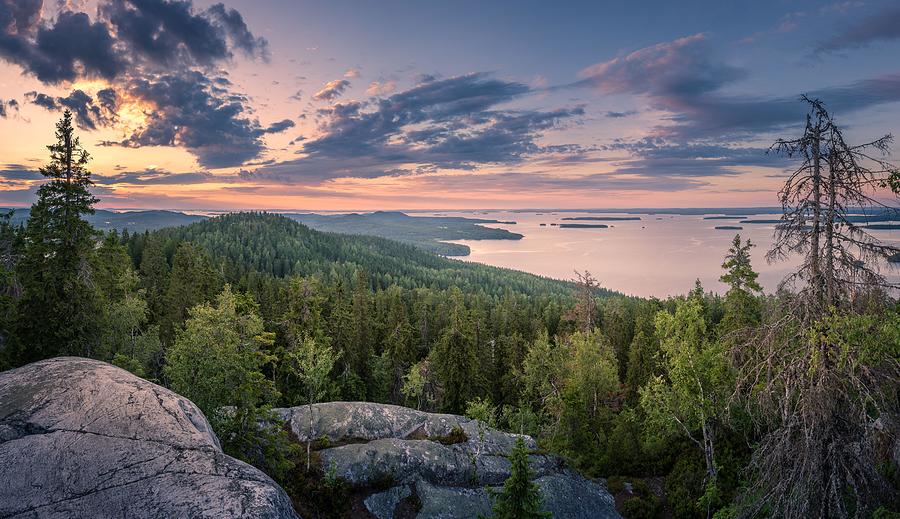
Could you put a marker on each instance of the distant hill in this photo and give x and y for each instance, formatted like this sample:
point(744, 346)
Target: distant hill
point(430, 233)
point(134, 221)
point(271, 244)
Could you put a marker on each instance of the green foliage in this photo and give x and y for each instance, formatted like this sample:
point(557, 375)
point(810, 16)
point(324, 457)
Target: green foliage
point(482, 410)
point(519, 498)
point(742, 308)
point(58, 309)
point(643, 504)
point(455, 359)
point(274, 245)
point(193, 281)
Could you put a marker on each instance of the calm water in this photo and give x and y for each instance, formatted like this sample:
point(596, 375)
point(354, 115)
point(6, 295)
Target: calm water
point(658, 255)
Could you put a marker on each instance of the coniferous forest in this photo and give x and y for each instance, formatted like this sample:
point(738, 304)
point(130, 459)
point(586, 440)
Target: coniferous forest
point(743, 404)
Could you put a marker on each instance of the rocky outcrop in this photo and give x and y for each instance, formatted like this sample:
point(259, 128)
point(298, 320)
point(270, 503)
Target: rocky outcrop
point(81, 438)
point(424, 456)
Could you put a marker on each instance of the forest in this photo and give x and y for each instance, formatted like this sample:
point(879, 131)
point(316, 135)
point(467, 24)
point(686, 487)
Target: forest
point(743, 404)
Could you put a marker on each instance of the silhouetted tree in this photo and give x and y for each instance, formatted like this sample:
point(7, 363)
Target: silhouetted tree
point(58, 312)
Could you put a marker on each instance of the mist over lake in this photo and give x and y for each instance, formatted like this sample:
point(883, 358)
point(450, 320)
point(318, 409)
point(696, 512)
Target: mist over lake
point(659, 255)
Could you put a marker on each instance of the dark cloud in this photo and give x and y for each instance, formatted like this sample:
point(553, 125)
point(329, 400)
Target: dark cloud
point(687, 82)
point(237, 30)
point(280, 126)
point(190, 112)
point(619, 115)
point(332, 90)
point(659, 157)
point(73, 46)
point(881, 26)
point(448, 123)
point(684, 67)
point(161, 52)
point(7, 106)
point(170, 32)
point(19, 172)
point(89, 113)
point(155, 177)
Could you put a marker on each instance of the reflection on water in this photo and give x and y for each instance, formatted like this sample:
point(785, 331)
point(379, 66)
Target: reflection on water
point(658, 255)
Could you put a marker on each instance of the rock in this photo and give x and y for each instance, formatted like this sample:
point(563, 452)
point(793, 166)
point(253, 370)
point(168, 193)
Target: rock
point(563, 495)
point(452, 502)
point(355, 421)
point(570, 495)
point(82, 438)
point(383, 504)
point(373, 444)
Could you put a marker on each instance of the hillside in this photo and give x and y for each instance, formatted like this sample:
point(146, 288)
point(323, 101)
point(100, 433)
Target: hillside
point(430, 233)
point(276, 245)
point(133, 221)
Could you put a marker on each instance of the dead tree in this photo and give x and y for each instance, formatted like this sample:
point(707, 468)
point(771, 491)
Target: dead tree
point(586, 309)
point(816, 396)
point(826, 203)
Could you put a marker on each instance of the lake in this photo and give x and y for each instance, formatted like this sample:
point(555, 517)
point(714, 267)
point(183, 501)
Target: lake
point(658, 255)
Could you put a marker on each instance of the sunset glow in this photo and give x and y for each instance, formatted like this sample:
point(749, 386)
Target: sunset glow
point(333, 107)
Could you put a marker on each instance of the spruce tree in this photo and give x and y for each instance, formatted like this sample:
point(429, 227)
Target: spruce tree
point(519, 498)
point(741, 306)
point(59, 307)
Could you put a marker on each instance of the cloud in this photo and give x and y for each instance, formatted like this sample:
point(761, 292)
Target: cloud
point(191, 112)
point(237, 30)
point(280, 126)
point(157, 177)
point(449, 123)
point(684, 67)
point(656, 156)
point(49, 51)
point(332, 90)
point(879, 27)
point(170, 32)
point(19, 172)
point(352, 73)
point(89, 114)
point(381, 88)
point(7, 106)
point(619, 115)
point(161, 53)
point(687, 83)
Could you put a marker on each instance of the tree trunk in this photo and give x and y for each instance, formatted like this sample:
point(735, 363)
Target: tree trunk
point(830, 295)
point(709, 456)
point(814, 252)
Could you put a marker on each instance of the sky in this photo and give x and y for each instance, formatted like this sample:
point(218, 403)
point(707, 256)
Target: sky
point(362, 105)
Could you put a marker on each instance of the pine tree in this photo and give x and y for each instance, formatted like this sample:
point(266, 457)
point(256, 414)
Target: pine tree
point(519, 498)
point(58, 310)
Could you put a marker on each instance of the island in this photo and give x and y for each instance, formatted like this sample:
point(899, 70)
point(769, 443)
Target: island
point(604, 218)
point(583, 225)
point(729, 227)
point(884, 226)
